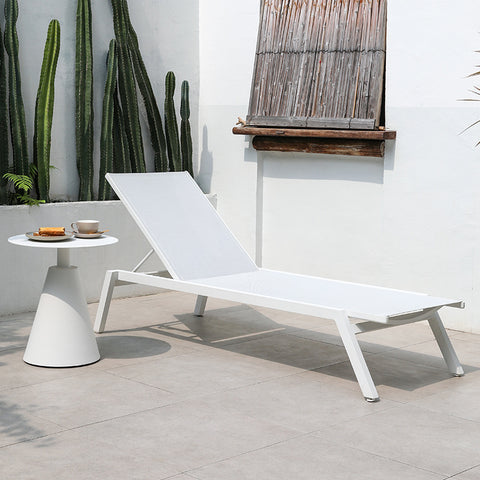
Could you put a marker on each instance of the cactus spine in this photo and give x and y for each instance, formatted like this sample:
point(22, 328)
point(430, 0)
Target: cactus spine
point(185, 130)
point(84, 99)
point(106, 138)
point(171, 127)
point(127, 88)
point(44, 110)
point(157, 137)
point(4, 150)
point(17, 111)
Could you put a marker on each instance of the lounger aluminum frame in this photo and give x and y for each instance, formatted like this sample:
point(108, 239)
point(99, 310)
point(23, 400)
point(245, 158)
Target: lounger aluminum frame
point(203, 258)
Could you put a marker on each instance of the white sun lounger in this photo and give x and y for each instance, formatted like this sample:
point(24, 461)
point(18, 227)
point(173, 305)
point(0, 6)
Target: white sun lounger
point(203, 257)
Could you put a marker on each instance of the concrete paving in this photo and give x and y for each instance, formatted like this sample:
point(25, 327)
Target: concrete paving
point(242, 393)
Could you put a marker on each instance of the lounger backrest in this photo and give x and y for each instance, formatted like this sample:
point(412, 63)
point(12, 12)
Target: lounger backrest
point(181, 225)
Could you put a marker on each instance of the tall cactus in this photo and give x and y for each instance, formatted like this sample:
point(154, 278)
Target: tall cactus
point(17, 111)
point(106, 138)
point(171, 127)
point(4, 150)
point(157, 137)
point(44, 110)
point(127, 88)
point(121, 150)
point(84, 99)
point(185, 131)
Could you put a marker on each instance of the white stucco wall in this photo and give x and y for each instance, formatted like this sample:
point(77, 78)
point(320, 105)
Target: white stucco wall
point(409, 221)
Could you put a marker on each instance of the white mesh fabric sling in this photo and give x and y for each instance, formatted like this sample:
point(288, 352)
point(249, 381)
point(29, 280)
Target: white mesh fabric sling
point(203, 257)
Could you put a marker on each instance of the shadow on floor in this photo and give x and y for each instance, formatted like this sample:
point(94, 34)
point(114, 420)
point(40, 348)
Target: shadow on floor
point(244, 330)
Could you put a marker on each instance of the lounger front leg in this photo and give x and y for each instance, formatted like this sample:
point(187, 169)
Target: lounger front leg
point(357, 359)
point(200, 306)
point(445, 345)
point(105, 298)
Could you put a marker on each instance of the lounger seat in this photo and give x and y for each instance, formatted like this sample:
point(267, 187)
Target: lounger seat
point(204, 258)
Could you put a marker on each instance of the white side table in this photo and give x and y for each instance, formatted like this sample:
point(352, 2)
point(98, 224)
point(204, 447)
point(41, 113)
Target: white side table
point(62, 334)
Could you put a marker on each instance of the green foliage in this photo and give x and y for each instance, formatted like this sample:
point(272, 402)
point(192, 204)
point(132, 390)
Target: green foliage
point(185, 131)
point(171, 127)
point(16, 108)
point(23, 184)
point(44, 110)
point(106, 139)
point(157, 137)
point(4, 150)
point(127, 87)
point(84, 99)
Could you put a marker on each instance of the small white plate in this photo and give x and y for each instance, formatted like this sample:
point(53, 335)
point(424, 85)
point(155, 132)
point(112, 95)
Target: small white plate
point(42, 238)
point(88, 235)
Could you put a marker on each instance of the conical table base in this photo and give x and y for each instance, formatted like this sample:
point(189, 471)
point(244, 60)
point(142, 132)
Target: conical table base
point(62, 335)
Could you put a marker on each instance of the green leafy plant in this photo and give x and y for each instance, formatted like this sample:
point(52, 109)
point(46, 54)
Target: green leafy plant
point(476, 92)
point(23, 185)
point(44, 110)
point(84, 99)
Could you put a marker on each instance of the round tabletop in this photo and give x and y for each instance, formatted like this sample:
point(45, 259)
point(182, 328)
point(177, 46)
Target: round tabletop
point(73, 242)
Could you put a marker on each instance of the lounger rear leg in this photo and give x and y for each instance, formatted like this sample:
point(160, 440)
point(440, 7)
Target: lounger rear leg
point(357, 359)
point(105, 298)
point(445, 345)
point(200, 306)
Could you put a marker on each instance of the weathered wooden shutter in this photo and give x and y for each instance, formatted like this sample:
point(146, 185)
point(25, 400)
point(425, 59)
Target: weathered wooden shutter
point(319, 63)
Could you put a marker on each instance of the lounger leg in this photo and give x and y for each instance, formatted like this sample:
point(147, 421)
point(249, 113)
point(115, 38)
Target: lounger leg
point(445, 345)
point(105, 298)
point(357, 360)
point(200, 306)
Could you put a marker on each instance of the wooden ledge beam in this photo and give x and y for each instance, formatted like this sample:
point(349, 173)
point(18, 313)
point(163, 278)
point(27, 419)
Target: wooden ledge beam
point(316, 133)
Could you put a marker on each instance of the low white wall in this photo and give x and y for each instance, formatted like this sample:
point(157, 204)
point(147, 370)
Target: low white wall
point(24, 269)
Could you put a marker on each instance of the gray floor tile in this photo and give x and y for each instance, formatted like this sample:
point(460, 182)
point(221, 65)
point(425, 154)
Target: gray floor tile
point(297, 402)
point(190, 434)
point(396, 379)
point(18, 424)
point(428, 353)
point(204, 372)
point(416, 436)
point(87, 398)
point(14, 372)
point(291, 350)
point(308, 458)
point(14, 331)
point(470, 474)
point(83, 455)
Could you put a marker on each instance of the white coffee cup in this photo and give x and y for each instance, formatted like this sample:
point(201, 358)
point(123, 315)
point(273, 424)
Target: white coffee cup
point(85, 226)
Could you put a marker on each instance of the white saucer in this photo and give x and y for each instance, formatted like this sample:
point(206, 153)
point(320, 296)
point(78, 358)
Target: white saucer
point(42, 238)
point(88, 235)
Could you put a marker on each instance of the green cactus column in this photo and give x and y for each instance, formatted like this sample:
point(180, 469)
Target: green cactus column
point(44, 110)
point(171, 127)
point(84, 99)
point(18, 126)
point(106, 138)
point(4, 150)
point(185, 130)
point(127, 88)
point(157, 137)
